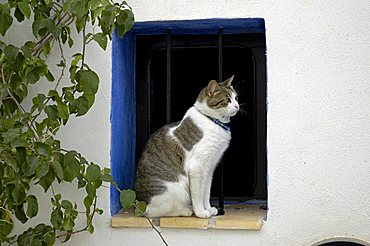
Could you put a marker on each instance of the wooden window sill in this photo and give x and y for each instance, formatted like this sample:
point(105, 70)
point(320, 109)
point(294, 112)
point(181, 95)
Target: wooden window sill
point(237, 217)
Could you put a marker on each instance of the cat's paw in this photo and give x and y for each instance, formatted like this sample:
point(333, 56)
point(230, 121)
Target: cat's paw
point(186, 212)
point(203, 214)
point(213, 211)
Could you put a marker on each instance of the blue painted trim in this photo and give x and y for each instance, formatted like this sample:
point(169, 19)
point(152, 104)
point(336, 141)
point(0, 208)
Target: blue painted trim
point(122, 116)
point(208, 26)
point(123, 109)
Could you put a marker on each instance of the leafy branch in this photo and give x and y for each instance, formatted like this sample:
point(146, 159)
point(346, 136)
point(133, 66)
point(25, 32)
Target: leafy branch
point(30, 153)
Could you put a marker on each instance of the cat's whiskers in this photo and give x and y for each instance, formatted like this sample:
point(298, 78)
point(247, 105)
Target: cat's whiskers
point(242, 110)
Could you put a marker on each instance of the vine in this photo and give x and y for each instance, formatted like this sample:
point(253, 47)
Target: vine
point(30, 153)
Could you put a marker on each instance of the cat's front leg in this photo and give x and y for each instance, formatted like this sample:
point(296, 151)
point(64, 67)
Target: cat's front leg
point(197, 188)
point(207, 192)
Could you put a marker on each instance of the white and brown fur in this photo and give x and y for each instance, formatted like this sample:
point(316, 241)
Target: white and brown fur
point(174, 174)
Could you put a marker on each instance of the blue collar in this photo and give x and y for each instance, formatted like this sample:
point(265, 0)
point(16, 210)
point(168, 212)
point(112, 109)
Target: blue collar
point(225, 126)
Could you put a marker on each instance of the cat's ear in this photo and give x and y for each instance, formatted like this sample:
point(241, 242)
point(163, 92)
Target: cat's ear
point(228, 81)
point(212, 88)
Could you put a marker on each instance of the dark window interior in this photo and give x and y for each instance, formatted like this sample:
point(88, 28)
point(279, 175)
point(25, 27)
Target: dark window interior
point(341, 243)
point(194, 62)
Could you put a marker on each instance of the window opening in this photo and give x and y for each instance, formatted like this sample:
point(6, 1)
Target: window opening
point(139, 62)
point(172, 69)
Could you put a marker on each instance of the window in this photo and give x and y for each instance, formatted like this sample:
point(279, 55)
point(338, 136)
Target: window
point(174, 60)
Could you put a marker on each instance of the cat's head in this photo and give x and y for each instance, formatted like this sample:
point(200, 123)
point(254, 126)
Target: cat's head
point(218, 100)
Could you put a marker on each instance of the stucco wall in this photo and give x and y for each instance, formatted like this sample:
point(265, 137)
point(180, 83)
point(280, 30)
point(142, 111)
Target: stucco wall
point(318, 70)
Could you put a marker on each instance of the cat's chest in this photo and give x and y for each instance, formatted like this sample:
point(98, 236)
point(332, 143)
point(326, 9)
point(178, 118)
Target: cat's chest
point(215, 140)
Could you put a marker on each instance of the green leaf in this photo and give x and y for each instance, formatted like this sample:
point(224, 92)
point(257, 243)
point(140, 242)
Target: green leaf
point(42, 169)
point(58, 197)
point(80, 23)
point(97, 12)
point(32, 165)
point(32, 206)
point(68, 224)
point(82, 105)
point(106, 170)
point(62, 109)
point(101, 39)
point(43, 149)
point(46, 48)
point(99, 211)
point(20, 214)
point(21, 154)
point(106, 20)
point(76, 58)
point(93, 172)
point(64, 35)
point(19, 194)
point(18, 15)
point(38, 100)
point(9, 160)
point(81, 183)
point(97, 183)
point(47, 180)
point(90, 190)
point(27, 48)
point(124, 22)
point(90, 228)
point(38, 25)
point(6, 224)
point(56, 218)
point(49, 76)
point(19, 142)
point(140, 208)
point(11, 51)
point(88, 202)
point(53, 28)
point(52, 112)
point(95, 4)
point(67, 5)
point(106, 178)
point(78, 8)
point(57, 169)
point(70, 42)
point(127, 198)
point(36, 242)
point(5, 22)
point(121, 30)
point(67, 205)
point(53, 94)
point(23, 6)
point(71, 166)
point(25, 238)
point(88, 81)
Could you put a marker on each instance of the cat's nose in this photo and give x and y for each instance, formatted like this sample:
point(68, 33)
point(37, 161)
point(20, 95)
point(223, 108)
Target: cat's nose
point(236, 106)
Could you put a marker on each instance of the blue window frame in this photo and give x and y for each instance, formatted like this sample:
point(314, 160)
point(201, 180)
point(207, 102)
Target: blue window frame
point(123, 104)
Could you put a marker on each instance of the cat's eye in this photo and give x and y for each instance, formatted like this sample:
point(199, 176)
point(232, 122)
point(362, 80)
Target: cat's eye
point(236, 98)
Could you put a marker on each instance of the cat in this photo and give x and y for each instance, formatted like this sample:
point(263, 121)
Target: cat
point(174, 173)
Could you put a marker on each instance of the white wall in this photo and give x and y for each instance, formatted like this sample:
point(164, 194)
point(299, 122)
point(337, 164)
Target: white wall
point(318, 70)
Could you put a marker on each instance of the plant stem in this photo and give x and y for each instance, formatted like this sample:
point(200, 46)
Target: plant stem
point(158, 232)
point(83, 45)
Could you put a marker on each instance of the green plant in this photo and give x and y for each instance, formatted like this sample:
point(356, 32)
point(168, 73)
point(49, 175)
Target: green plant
point(30, 153)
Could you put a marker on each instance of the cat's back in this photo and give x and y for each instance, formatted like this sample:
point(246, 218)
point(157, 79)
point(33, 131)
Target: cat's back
point(160, 161)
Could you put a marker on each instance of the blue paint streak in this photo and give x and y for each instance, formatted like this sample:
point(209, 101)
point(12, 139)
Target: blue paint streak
point(123, 125)
point(123, 109)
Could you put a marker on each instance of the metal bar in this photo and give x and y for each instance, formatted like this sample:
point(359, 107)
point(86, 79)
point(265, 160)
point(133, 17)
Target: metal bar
point(220, 79)
point(168, 78)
